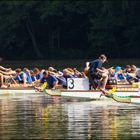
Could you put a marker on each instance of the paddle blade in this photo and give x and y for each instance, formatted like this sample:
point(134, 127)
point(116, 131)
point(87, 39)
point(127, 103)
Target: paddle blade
point(43, 86)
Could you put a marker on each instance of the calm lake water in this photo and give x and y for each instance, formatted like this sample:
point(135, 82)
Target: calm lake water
point(43, 117)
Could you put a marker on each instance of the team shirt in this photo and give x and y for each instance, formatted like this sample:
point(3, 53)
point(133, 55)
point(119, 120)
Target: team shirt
point(50, 81)
point(94, 65)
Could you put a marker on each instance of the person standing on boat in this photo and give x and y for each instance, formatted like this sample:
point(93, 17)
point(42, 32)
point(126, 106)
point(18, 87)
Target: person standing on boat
point(98, 73)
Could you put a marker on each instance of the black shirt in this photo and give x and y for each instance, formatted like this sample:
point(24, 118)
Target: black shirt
point(94, 65)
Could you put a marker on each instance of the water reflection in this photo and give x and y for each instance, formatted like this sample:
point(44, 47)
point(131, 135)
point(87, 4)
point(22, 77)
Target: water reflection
point(44, 117)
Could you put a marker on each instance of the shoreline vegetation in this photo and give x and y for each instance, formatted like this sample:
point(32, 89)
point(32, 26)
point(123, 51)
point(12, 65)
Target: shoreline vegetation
point(60, 64)
point(64, 29)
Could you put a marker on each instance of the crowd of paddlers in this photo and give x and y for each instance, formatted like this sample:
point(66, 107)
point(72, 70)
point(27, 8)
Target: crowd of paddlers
point(36, 77)
point(98, 76)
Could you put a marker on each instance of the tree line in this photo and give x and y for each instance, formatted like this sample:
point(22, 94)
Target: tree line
point(64, 29)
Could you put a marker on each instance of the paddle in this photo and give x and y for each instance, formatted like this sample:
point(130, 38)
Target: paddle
point(13, 79)
point(133, 76)
point(43, 86)
point(124, 77)
point(108, 93)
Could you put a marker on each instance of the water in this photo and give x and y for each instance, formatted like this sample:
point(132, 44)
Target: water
point(43, 117)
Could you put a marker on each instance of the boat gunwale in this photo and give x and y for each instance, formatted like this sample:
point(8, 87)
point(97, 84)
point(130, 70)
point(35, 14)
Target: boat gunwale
point(65, 90)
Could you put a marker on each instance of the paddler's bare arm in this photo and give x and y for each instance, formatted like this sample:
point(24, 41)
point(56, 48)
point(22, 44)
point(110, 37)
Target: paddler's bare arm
point(102, 70)
point(54, 85)
point(8, 73)
point(4, 69)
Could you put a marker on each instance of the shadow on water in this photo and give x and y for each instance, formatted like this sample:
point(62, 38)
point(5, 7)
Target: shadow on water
point(45, 117)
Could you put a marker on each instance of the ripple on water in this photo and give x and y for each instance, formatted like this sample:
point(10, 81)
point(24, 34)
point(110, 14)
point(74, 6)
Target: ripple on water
point(45, 117)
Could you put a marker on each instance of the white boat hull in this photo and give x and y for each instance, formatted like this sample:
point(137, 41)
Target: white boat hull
point(97, 95)
point(17, 91)
point(91, 94)
point(87, 94)
point(135, 100)
point(129, 93)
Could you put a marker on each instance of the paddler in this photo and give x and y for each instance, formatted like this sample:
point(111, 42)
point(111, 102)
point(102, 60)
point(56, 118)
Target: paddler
point(98, 73)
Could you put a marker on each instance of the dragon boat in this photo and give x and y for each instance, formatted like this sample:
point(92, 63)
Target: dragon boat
point(127, 99)
point(82, 91)
point(18, 90)
point(79, 88)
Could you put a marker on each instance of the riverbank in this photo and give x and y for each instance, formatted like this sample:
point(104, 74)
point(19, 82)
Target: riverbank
point(60, 64)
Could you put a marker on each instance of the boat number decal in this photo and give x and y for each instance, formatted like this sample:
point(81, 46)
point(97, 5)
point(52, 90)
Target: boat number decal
point(71, 83)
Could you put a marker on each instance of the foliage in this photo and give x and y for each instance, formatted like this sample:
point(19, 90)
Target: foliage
point(69, 29)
